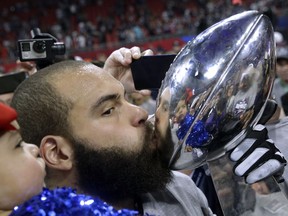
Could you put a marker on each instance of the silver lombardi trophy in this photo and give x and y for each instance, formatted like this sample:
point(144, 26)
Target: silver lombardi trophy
point(217, 87)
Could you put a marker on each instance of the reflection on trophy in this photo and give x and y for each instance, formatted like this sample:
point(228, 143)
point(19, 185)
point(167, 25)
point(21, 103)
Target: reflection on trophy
point(218, 86)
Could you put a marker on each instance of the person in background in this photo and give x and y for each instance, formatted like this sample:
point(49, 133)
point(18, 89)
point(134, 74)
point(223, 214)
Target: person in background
point(280, 88)
point(22, 170)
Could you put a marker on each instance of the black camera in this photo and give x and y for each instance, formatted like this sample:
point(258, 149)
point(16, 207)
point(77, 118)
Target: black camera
point(43, 48)
point(40, 49)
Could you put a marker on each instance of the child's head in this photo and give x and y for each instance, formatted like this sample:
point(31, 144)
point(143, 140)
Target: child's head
point(22, 171)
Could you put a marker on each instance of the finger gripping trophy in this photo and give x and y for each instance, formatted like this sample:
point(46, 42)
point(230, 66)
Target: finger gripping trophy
point(219, 84)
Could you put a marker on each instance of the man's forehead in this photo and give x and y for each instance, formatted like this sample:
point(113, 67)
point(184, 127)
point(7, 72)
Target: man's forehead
point(77, 77)
point(79, 71)
point(82, 82)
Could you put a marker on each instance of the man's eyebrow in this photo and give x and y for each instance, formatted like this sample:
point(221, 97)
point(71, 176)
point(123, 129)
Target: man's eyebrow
point(104, 99)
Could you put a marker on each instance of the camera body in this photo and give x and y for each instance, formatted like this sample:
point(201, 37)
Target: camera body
point(43, 48)
point(39, 49)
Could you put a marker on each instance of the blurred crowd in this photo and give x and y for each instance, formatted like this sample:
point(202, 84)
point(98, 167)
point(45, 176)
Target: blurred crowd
point(89, 25)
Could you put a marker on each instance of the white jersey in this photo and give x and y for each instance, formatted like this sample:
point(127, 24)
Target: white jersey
point(181, 197)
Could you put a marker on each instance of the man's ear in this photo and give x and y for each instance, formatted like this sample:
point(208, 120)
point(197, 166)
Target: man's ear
point(56, 152)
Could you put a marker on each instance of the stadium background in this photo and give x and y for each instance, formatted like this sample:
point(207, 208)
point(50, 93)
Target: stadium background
point(92, 29)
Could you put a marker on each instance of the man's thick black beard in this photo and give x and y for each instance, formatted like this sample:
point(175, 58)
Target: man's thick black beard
point(114, 174)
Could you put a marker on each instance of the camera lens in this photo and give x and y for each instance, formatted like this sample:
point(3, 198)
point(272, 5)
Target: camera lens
point(39, 46)
point(58, 48)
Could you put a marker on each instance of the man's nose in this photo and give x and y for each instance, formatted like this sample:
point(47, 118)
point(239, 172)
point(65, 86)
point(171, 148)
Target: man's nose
point(139, 115)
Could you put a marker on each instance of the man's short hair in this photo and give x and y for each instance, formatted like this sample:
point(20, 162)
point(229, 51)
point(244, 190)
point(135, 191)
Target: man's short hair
point(42, 110)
